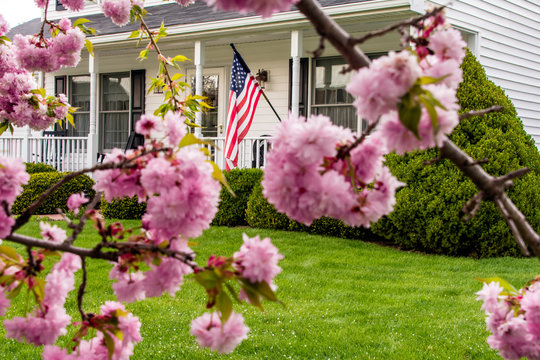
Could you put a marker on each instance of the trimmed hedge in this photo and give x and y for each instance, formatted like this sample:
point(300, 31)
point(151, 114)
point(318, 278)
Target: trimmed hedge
point(232, 209)
point(126, 208)
point(261, 214)
point(32, 168)
point(40, 182)
point(427, 214)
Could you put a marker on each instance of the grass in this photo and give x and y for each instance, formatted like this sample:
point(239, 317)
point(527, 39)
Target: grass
point(344, 299)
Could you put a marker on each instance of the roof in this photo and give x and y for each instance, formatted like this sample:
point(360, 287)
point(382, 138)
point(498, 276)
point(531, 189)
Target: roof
point(170, 14)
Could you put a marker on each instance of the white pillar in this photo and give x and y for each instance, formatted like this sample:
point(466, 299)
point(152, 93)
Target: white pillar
point(199, 64)
point(296, 53)
point(93, 68)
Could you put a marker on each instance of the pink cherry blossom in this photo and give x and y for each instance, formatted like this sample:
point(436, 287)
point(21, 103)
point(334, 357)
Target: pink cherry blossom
point(75, 201)
point(6, 223)
point(12, 176)
point(4, 301)
point(158, 176)
point(490, 296)
point(260, 7)
point(166, 277)
point(148, 125)
point(41, 3)
point(4, 26)
point(448, 44)
point(175, 127)
point(257, 259)
point(73, 5)
point(221, 338)
point(52, 233)
point(129, 287)
point(185, 2)
point(117, 10)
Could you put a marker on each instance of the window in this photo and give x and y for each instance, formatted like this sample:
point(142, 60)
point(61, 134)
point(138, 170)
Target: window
point(79, 91)
point(329, 96)
point(59, 6)
point(114, 115)
point(209, 121)
point(122, 104)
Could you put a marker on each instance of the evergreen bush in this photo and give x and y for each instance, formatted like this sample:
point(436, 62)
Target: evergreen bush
point(40, 182)
point(126, 208)
point(32, 168)
point(427, 214)
point(232, 208)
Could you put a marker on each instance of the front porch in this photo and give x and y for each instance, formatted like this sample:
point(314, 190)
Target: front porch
point(76, 153)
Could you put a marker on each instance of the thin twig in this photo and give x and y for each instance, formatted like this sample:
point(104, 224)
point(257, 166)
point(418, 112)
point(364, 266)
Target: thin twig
point(432, 161)
point(344, 151)
point(82, 287)
point(390, 28)
point(79, 227)
point(494, 108)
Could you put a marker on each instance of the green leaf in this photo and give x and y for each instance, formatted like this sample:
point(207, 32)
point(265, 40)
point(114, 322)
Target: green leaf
point(143, 54)
point(69, 118)
point(207, 278)
point(426, 80)
point(13, 293)
point(109, 343)
point(264, 289)
point(191, 139)
point(39, 289)
point(89, 47)
point(409, 116)
point(218, 175)
point(134, 34)
point(224, 305)
point(80, 22)
point(503, 283)
point(3, 127)
point(432, 113)
point(233, 293)
point(9, 252)
point(179, 58)
point(254, 298)
point(176, 76)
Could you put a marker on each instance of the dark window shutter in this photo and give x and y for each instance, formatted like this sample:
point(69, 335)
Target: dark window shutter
point(137, 95)
point(60, 85)
point(304, 68)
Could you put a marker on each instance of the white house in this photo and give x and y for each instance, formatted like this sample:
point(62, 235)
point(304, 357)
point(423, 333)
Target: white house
point(111, 88)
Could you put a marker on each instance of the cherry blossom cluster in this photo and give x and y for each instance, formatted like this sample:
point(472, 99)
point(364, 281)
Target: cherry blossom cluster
point(414, 101)
point(50, 319)
point(259, 7)
point(37, 53)
point(357, 189)
point(254, 267)
point(112, 321)
point(12, 176)
point(20, 104)
point(513, 318)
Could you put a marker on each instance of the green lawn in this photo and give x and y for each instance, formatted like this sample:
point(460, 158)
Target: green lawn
point(344, 299)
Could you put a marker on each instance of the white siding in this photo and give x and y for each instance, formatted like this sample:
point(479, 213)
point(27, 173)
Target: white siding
point(508, 48)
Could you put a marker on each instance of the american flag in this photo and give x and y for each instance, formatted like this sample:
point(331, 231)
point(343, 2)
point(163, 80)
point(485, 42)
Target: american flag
point(243, 99)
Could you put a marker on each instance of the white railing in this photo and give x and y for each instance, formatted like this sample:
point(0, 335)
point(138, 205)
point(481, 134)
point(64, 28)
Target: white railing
point(12, 147)
point(63, 153)
point(251, 153)
point(72, 153)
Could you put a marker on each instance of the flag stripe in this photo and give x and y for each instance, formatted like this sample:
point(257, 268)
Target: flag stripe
point(244, 97)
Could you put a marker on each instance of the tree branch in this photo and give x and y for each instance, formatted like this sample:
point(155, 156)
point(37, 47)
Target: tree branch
point(485, 182)
point(494, 108)
point(82, 287)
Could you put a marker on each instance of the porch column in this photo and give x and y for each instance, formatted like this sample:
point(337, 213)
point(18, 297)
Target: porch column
point(93, 69)
point(296, 53)
point(199, 64)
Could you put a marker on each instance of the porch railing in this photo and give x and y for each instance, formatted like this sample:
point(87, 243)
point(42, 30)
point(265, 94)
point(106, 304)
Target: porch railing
point(72, 153)
point(251, 153)
point(63, 153)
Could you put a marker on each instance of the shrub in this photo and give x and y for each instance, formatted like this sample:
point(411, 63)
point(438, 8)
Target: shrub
point(40, 182)
point(427, 213)
point(126, 208)
point(232, 209)
point(32, 168)
point(261, 214)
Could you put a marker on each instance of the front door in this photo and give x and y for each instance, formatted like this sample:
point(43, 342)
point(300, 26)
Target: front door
point(213, 120)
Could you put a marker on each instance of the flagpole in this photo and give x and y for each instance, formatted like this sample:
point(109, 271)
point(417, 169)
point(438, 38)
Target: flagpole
point(262, 92)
